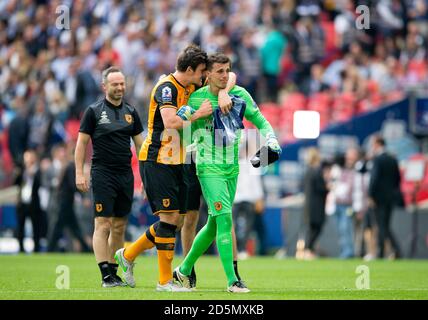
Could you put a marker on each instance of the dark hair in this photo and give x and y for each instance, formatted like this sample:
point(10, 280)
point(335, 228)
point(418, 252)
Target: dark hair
point(339, 159)
point(218, 58)
point(109, 70)
point(192, 56)
point(379, 140)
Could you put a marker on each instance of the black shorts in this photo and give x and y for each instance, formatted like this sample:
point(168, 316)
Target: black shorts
point(194, 187)
point(113, 192)
point(165, 186)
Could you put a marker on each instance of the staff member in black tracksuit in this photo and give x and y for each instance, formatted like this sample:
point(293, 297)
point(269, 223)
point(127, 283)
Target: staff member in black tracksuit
point(384, 187)
point(110, 123)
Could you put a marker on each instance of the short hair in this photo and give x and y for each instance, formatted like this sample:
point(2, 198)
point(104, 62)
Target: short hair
point(109, 70)
point(379, 140)
point(192, 56)
point(218, 58)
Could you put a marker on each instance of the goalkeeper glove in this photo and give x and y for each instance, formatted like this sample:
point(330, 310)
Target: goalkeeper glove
point(185, 113)
point(272, 143)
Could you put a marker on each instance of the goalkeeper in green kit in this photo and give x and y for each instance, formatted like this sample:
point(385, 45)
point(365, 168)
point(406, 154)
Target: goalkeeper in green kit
point(217, 139)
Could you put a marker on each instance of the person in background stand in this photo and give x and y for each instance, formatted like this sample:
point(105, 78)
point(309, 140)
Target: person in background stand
point(365, 244)
point(384, 189)
point(66, 213)
point(315, 191)
point(29, 201)
point(342, 189)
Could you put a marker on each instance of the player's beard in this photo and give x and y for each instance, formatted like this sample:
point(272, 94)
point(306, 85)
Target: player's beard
point(116, 96)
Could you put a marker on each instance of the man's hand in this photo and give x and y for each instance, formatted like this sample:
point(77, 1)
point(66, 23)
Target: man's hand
point(272, 143)
point(224, 102)
point(205, 110)
point(185, 113)
point(82, 183)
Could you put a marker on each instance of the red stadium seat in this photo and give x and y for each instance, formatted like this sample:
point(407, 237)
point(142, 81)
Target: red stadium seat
point(393, 96)
point(286, 134)
point(418, 68)
point(294, 101)
point(6, 161)
point(319, 102)
point(363, 106)
point(272, 113)
point(72, 128)
point(330, 35)
point(408, 187)
point(344, 101)
point(324, 120)
point(248, 124)
point(372, 86)
point(376, 99)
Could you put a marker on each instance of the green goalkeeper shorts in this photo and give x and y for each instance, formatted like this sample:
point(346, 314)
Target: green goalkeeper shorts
point(219, 193)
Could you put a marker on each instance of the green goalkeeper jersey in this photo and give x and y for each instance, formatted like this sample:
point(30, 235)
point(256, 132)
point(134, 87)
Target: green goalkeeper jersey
point(216, 159)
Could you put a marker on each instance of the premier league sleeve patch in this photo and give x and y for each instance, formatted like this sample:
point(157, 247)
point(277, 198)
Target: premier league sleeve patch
point(166, 95)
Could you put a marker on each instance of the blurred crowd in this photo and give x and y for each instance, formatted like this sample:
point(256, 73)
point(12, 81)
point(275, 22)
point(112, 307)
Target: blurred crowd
point(288, 54)
point(360, 191)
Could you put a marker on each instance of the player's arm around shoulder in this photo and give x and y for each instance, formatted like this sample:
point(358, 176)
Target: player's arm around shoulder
point(204, 110)
point(175, 119)
point(224, 100)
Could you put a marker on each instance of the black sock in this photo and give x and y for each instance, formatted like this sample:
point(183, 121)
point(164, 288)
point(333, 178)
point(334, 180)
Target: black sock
point(193, 273)
point(235, 267)
point(105, 270)
point(113, 268)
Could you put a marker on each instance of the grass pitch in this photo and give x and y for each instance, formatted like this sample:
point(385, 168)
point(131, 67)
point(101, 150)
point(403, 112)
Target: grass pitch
point(35, 277)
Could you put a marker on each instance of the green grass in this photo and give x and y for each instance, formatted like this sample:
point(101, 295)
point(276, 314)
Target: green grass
point(34, 277)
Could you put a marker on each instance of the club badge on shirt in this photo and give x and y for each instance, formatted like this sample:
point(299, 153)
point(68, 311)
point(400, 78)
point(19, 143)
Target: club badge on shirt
point(218, 206)
point(166, 203)
point(128, 118)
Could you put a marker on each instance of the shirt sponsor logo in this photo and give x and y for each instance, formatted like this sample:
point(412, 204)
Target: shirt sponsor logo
point(104, 118)
point(166, 94)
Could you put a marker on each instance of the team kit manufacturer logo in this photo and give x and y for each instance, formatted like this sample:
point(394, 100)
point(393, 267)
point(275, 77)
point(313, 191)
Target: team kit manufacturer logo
point(104, 118)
